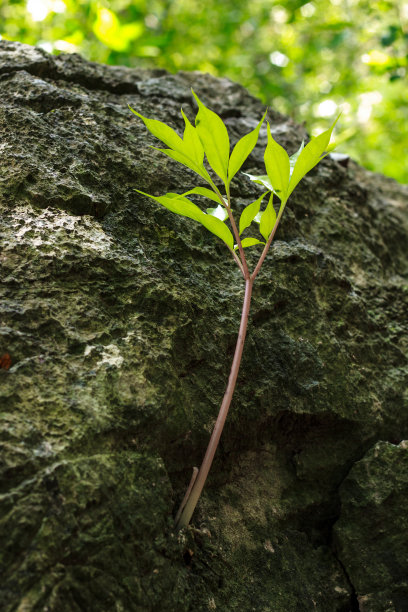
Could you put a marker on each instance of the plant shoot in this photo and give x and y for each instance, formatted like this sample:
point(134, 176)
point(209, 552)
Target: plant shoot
point(205, 147)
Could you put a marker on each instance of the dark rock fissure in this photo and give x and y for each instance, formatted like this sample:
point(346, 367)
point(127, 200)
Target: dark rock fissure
point(354, 605)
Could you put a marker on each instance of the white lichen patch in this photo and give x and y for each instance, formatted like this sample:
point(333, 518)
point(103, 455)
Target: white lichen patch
point(108, 355)
point(88, 349)
point(43, 450)
point(55, 231)
point(111, 356)
point(341, 590)
point(268, 546)
point(129, 336)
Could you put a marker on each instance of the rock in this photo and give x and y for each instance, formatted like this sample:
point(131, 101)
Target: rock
point(372, 531)
point(118, 322)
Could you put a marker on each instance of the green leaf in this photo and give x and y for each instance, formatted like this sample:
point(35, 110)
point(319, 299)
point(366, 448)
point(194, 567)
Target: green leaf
point(310, 156)
point(162, 131)
point(188, 152)
point(262, 179)
point(268, 219)
point(182, 206)
point(293, 158)
point(247, 242)
point(242, 149)
point(277, 166)
point(249, 213)
point(177, 204)
point(218, 228)
point(186, 161)
point(203, 191)
point(214, 138)
point(192, 143)
point(219, 213)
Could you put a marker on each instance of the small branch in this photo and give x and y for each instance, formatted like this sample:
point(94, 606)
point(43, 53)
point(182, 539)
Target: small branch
point(219, 194)
point(243, 266)
point(239, 264)
point(238, 239)
point(267, 245)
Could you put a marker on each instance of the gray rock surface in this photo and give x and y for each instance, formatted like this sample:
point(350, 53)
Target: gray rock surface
point(120, 321)
point(372, 532)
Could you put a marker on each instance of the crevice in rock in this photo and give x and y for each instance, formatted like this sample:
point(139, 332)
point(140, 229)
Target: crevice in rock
point(47, 71)
point(354, 605)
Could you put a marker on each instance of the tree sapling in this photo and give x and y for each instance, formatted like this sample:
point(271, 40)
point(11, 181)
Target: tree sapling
point(209, 137)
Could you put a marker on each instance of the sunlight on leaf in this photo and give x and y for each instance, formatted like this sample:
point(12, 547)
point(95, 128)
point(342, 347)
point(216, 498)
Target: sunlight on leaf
point(277, 166)
point(262, 179)
point(248, 242)
point(220, 212)
point(218, 228)
point(162, 131)
point(249, 213)
point(203, 191)
point(186, 161)
point(310, 156)
point(177, 204)
point(242, 149)
point(268, 219)
point(214, 138)
point(293, 158)
point(188, 152)
point(182, 206)
point(192, 143)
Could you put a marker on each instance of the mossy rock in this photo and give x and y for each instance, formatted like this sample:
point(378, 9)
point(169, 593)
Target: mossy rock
point(372, 532)
point(118, 323)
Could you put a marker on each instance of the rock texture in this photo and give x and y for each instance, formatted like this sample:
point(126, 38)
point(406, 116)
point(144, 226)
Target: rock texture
point(372, 533)
point(117, 326)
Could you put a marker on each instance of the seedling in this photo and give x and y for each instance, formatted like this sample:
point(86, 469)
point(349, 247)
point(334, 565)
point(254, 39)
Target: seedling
point(209, 138)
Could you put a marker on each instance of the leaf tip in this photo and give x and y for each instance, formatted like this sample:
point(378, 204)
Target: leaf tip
point(142, 192)
point(135, 112)
point(199, 103)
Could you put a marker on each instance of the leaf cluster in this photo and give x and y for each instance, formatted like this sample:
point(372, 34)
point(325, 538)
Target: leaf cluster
point(205, 147)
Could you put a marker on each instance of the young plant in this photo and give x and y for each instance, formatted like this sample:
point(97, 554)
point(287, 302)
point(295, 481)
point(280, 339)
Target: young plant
point(209, 138)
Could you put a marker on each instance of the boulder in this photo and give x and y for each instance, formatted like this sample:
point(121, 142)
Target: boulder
point(118, 323)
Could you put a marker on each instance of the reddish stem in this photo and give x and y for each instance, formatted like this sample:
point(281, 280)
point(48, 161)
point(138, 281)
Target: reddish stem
point(189, 505)
point(267, 245)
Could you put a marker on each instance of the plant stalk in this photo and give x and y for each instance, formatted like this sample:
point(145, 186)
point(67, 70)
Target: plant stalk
point(242, 263)
point(183, 518)
point(237, 237)
point(267, 245)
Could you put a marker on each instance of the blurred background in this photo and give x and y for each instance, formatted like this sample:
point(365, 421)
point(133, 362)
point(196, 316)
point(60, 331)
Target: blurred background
point(305, 59)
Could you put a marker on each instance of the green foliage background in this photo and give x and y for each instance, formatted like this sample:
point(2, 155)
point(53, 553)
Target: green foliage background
point(305, 59)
